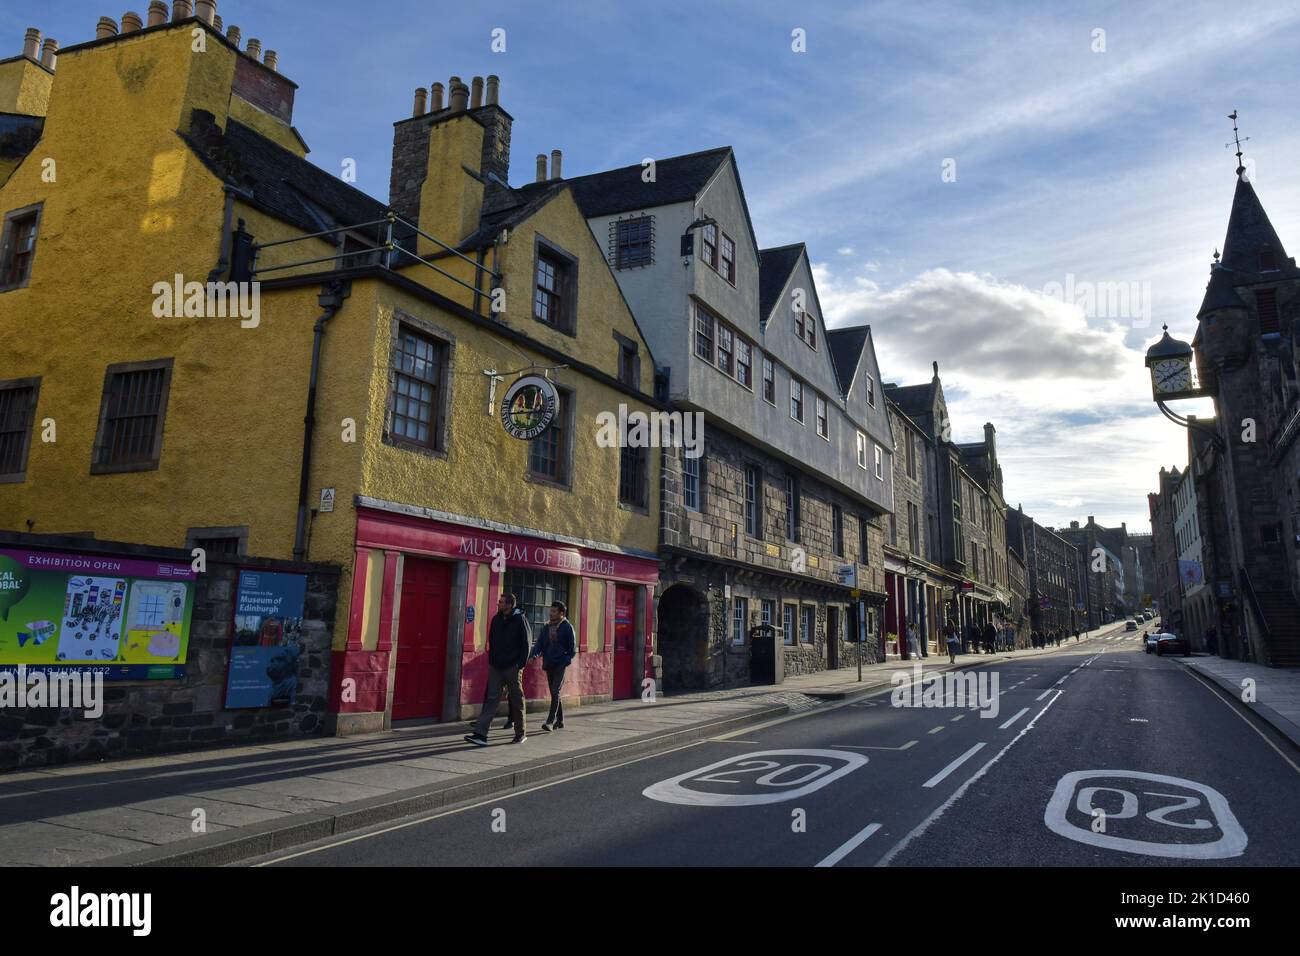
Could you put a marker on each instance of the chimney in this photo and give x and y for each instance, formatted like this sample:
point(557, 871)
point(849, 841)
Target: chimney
point(107, 27)
point(270, 59)
point(555, 164)
point(131, 22)
point(255, 49)
point(476, 92)
point(459, 95)
point(181, 10)
point(421, 98)
point(493, 90)
point(234, 35)
point(217, 24)
point(32, 44)
point(1089, 519)
point(50, 53)
point(541, 167)
point(1074, 525)
point(205, 10)
point(157, 12)
point(435, 102)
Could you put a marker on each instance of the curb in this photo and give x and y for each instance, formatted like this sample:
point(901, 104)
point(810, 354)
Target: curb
point(217, 849)
point(1283, 725)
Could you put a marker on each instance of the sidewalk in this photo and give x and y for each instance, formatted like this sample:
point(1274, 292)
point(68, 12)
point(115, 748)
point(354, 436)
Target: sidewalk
point(256, 799)
point(1277, 691)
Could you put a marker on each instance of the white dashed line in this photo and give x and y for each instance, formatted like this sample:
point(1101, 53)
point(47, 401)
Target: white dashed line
point(849, 847)
point(1043, 694)
point(1014, 719)
point(939, 777)
point(937, 729)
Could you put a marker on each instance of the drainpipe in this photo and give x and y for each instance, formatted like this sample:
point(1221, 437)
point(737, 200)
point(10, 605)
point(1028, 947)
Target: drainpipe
point(331, 300)
point(227, 236)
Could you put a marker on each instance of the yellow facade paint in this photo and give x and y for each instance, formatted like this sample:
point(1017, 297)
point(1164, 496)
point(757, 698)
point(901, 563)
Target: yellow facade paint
point(24, 87)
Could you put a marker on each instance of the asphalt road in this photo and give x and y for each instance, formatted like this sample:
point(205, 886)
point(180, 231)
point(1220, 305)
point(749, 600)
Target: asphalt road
point(1094, 754)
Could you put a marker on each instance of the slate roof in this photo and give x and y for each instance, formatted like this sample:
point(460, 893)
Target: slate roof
point(915, 400)
point(507, 209)
point(774, 268)
point(1249, 231)
point(677, 179)
point(846, 347)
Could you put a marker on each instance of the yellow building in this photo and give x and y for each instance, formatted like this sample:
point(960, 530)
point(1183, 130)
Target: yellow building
point(171, 306)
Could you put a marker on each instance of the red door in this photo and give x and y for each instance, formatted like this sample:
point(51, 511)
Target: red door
point(624, 641)
point(422, 639)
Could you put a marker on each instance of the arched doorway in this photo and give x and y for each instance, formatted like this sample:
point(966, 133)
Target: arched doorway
point(684, 638)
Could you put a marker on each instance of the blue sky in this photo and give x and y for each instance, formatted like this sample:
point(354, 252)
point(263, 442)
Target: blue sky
point(1073, 166)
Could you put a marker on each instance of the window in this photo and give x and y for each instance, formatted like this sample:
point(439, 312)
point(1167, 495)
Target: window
point(131, 416)
point(739, 619)
point(555, 279)
point(629, 365)
point(1266, 303)
point(787, 619)
point(911, 454)
point(534, 591)
point(913, 528)
point(864, 543)
point(753, 501)
point(769, 381)
point(416, 394)
point(709, 245)
point(871, 391)
point(17, 413)
point(634, 242)
point(798, 325)
point(728, 259)
point(724, 348)
point(218, 542)
point(548, 453)
point(837, 530)
point(862, 451)
point(703, 334)
point(691, 482)
point(744, 362)
point(792, 507)
point(632, 476)
point(823, 427)
point(769, 611)
point(18, 247)
point(1267, 259)
point(880, 462)
point(806, 623)
point(796, 399)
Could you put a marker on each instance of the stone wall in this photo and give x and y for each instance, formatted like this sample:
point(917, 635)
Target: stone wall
point(144, 717)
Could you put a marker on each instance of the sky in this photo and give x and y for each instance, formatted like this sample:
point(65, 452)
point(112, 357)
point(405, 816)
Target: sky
point(1022, 193)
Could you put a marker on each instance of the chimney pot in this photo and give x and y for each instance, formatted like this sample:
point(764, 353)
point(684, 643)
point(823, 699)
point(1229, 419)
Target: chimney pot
point(421, 98)
point(131, 22)
point(435, 98)
point(255, 49)
point(205, 10)
point(32, 44)
point(555, 164)
point(217, 24)
point(459, 96)
point(234, 35)
point(541, 167)
point(106, 28)
point(476, 92)
point(157, 12)
point(270, 59)
point(49, 55)
point(181, 10)
point(493, 90)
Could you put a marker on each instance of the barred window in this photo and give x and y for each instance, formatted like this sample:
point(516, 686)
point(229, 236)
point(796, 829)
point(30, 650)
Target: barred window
point(548, 453)
point(1266, 303)
point(534, 591)
point(632, 476)
point(17, 413)
point(131, 416)
point(417, 388)
point(634, 242)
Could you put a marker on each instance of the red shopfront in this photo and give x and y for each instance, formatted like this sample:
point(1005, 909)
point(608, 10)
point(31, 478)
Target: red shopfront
point(422, 598)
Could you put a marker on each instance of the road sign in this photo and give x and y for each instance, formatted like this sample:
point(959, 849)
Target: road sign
point(768, 776)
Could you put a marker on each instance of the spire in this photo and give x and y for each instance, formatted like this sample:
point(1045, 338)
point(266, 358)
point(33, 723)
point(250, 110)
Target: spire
point(1251, 244)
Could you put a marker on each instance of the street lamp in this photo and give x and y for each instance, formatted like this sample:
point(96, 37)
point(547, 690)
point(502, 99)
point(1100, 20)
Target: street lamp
point(1170, 362)
point(688, 238)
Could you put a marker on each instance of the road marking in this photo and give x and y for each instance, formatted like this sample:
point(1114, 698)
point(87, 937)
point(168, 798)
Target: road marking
point(939, 777)
point(957, 794)
point(1138, 720)
point(725, 740)
point(937, 729)
point(957, 718)
point(1043, 694)
point(910, 743)
point(849, 847)
point(673, 791)
point(1014, 719)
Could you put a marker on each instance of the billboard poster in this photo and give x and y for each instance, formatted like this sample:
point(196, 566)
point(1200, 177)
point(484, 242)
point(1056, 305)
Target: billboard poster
point(267, 640)
point(1191, 573)
point(128, 618)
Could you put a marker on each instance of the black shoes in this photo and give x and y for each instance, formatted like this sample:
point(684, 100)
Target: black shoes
point(519, 739)
point(477, 739)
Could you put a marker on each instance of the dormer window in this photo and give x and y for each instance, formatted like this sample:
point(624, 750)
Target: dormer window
point(1267, 259)
point(805, 328)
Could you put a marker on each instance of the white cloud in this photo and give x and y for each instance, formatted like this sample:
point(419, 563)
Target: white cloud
point(845, 250)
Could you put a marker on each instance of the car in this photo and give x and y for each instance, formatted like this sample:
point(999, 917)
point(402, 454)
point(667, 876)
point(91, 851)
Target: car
point(1167, 643)
point(1149, 642)
point(1131, 625)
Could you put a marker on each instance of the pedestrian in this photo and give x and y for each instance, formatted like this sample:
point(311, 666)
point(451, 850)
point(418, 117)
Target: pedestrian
point(990, 638)
point(913, 645)
point(952, 640)
point(556, 646)
point(972, 645)
point(509, 640)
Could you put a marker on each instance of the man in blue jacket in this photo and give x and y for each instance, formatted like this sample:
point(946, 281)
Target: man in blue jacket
point(509, 637)
point(556, 645)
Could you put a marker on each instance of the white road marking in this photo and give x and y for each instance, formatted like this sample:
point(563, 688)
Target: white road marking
point(1043, 694)
point(939, 777)
point(1014, 719)
point(1138, 720)
point(849, 847)
point(910, 743)
point(672, 791)
point(937, 729)
point(957, 718)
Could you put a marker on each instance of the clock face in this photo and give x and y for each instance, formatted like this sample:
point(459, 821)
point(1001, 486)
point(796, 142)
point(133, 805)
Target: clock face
point(1172, 375)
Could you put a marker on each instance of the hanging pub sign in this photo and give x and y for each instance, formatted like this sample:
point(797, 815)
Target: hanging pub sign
point(529, 407)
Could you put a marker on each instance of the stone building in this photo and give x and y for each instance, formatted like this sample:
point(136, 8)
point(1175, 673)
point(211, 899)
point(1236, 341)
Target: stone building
point(1052, 564)
point(1165, 590)
point(1101, 569)
point(779, 521)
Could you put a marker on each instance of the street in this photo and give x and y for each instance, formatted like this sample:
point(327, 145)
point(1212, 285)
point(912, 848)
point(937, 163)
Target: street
point(1098, 754)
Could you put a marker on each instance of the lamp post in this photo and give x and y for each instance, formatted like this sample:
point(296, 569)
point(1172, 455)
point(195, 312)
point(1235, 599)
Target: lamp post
point(688, 238)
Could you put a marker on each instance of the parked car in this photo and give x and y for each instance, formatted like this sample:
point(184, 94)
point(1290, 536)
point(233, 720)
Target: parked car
point(1149, 642)
point(1172, 644)
point(1130, 625)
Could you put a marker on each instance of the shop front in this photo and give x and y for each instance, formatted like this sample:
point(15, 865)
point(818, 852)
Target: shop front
point(423, 595)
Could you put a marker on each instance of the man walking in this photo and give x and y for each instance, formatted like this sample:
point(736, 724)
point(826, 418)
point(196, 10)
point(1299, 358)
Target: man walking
point(509, 638)
point(556, 646)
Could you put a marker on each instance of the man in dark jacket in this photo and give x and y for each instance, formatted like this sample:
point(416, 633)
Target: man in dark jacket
point(509, 638)
point(556, 646)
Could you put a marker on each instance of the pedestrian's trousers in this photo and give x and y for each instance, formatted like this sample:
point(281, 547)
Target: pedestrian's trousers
point(511, 679)
point(554, 679)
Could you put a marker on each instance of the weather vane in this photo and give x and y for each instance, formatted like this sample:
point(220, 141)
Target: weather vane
point(1237, 140)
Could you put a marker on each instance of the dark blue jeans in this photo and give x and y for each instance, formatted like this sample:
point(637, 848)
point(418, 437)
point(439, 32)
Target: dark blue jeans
point(554, 678)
